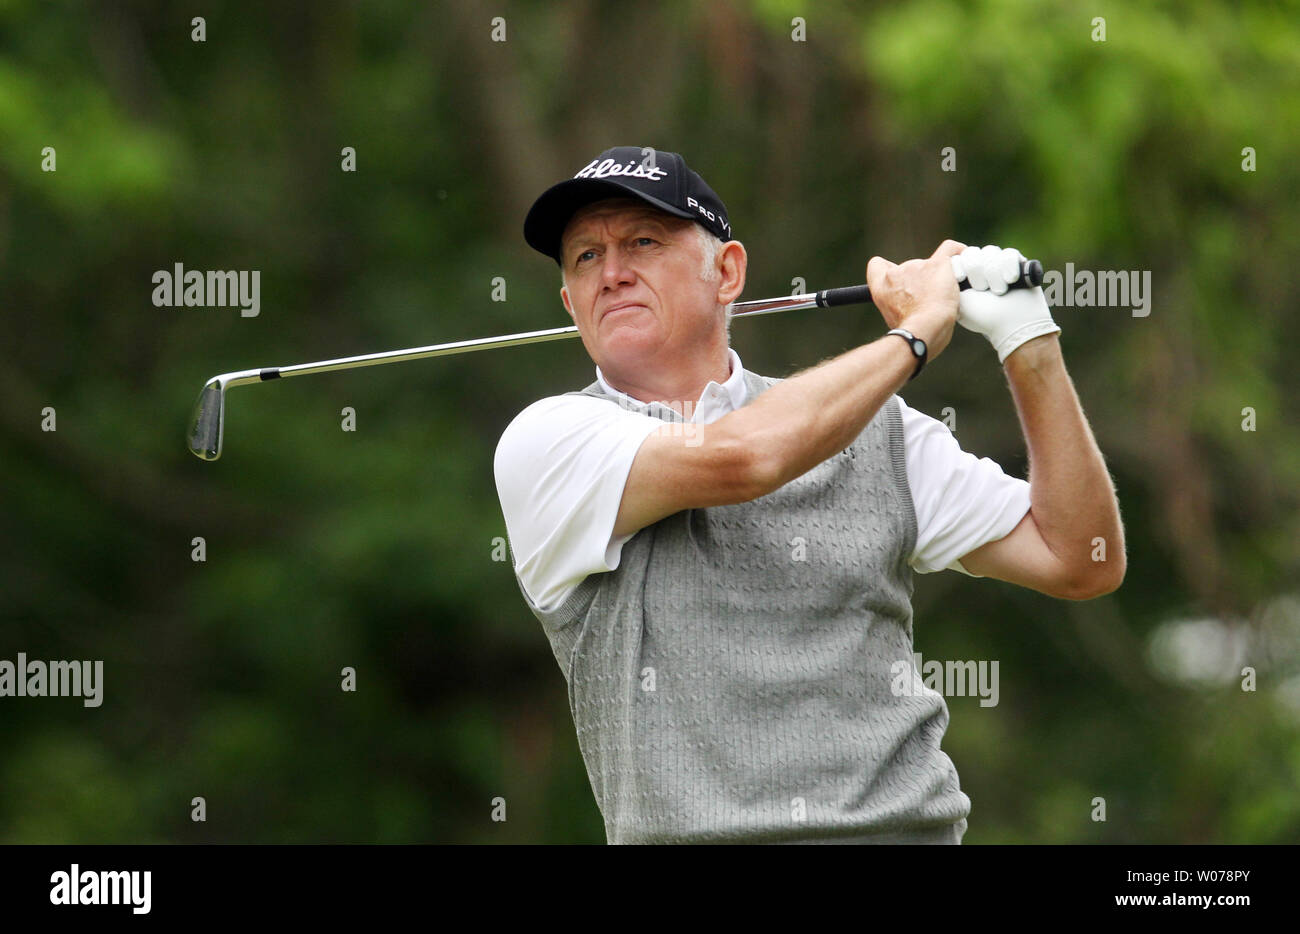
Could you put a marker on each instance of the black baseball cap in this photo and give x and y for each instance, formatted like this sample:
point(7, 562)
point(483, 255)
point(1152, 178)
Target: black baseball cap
point(661, 179)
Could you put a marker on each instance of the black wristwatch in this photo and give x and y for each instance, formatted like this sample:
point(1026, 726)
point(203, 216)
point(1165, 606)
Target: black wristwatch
point(919, 350)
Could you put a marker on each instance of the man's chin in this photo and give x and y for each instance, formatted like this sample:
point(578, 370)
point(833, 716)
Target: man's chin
point(628, 350)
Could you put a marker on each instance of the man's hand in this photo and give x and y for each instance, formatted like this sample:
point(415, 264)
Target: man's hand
point(1007, 317)
point(919, 295)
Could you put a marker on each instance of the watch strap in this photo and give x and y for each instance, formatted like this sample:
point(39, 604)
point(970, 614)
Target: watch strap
point(912, 341)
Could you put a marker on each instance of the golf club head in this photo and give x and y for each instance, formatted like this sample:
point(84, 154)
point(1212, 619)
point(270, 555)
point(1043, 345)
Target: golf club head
point(209, 421)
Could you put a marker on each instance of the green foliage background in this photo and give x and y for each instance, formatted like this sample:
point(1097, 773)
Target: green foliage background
point(373, 549)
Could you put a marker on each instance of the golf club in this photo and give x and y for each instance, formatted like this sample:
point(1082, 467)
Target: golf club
point(208, 426)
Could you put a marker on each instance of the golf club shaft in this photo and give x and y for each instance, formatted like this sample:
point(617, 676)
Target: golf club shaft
point(739, 309)
point(1031, 275)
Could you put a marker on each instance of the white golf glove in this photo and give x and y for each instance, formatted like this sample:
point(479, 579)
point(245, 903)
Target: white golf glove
point(1007, 317)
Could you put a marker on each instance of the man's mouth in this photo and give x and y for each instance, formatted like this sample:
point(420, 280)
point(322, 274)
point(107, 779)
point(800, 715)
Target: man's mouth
point(620, 307)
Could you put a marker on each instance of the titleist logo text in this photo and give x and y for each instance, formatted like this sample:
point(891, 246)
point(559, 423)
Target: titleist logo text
point(632, 170)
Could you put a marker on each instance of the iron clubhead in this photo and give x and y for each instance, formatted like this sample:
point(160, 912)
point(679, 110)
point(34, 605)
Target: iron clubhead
point(209, 421)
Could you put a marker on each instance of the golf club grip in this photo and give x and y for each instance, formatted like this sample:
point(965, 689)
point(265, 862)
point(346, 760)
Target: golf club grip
point(849, 295)
point(1031, 276)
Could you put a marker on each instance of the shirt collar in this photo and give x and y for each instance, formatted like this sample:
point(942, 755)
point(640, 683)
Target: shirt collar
point(716, 400)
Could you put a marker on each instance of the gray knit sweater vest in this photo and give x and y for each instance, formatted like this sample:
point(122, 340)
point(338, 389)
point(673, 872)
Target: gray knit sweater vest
point(730, 681)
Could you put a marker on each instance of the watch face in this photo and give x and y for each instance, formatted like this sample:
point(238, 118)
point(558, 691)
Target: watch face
point(919, 348)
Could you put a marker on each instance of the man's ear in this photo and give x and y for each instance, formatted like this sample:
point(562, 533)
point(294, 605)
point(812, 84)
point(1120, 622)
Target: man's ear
point(733, 261)
point(568, 306)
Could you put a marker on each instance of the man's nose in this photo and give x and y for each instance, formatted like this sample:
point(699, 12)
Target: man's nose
point(617, 270)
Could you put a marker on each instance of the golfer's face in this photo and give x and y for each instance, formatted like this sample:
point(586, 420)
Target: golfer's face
point(634, 286)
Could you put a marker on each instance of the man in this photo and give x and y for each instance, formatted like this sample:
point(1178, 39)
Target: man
point(722, 561)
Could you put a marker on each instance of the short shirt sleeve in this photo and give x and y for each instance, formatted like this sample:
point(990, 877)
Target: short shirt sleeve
point(560, 468)
point(961, 501)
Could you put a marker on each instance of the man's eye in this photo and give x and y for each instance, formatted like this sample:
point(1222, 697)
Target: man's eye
point(584, 255)
point(646, 239)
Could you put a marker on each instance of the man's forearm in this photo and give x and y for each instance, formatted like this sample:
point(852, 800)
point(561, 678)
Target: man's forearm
point(815, 414)
point(1071, 495)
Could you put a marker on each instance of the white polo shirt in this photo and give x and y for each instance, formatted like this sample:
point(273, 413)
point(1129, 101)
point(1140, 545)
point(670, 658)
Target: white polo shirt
point(562, 463)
